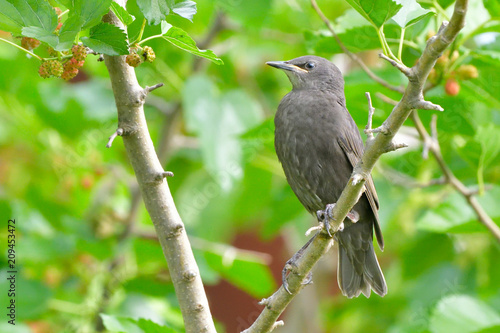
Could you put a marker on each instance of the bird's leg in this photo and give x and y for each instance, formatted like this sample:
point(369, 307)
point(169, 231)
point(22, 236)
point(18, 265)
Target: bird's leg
point(292, 263)
point(325, 216)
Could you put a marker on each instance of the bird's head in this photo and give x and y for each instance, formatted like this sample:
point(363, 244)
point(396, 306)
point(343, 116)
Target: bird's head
point(311, 72)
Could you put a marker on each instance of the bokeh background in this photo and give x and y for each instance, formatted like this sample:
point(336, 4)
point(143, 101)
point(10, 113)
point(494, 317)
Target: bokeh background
point(86, 246)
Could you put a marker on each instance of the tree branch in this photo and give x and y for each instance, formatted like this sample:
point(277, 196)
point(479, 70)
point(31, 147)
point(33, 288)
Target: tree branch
point(432, 145)
point(129, 98)
point(351, 55)
point(412, 98)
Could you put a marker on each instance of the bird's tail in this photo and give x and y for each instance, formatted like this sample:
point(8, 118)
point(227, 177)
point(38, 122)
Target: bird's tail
point(359, 270)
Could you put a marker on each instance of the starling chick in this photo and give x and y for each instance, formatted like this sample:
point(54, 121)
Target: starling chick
point(318, 144)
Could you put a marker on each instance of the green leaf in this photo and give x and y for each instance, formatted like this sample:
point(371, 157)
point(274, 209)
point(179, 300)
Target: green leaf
point(454, 215)
point(122, 13)
point(155, 11)
point(90, 12)
point(42, 35)
point(489, 138)
point(462, 314)
point(411, 13)
point(10, 18)
point(107, 39)
point(185, 9)
point(249, 275)
point(180, 38)
point(219, 121)
point(377, 12)
point(69, 30)
point(130, 325)
point(36, 13)
point(493, 7)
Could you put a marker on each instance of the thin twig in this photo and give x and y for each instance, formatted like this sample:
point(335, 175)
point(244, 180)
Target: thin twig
point(351, 55)
point(451, 179)
point(118, 132)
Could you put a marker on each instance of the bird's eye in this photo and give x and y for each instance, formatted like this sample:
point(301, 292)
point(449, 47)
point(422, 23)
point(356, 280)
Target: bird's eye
point(309, 65)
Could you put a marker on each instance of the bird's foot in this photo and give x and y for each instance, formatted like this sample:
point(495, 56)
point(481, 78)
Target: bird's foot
point(291, 264)
point(325, 216)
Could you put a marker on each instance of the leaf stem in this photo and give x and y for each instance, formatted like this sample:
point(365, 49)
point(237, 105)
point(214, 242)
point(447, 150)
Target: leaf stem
point(141, 32)
point(440, 9)
point(21, 48)
point(401, 41)
point(149, 38)
point(61, 15)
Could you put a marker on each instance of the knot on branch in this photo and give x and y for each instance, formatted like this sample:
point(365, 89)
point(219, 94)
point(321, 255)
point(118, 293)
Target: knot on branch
point(189, 275)
point(175, 231)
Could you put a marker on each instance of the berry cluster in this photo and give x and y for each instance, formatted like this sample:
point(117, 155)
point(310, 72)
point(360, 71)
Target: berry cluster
point(138, 55)
point(69, 69)
point(444, 70)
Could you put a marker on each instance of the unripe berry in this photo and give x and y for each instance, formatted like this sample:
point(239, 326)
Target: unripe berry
point(30, 43)
point(70, 71)
point(133, 59)
point(79, 52)
point(452, 88)
point(467, 72)
point(43, 71)
point(75, 63)
point(148, 54)
point(443, 59)
point(55, 68)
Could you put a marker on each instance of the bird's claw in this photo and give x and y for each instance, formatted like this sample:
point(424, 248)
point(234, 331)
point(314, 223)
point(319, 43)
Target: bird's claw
point(284, 273)
point(286, 270)
point(309, 279)
point(324, 216)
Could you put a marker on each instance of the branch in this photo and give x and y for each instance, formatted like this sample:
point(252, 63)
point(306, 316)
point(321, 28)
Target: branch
point(432, 145)
point(412, 97)
point(351, 55)
point(129, 98)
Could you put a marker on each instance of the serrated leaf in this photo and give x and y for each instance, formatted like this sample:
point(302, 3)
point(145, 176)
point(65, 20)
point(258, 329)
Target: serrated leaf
point(69, 30)
point(462, 314)
point(89, 12)
point(107, 39)
point(377, 12)
point(42, 35)
point(155, 10)
point(18, 14)
point(10, 18)
point(122, 13)
point(185, 9)
point(410, 14)
point(181, 39)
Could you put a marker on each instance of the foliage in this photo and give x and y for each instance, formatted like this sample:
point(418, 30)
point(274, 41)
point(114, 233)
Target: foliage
point(71, 197)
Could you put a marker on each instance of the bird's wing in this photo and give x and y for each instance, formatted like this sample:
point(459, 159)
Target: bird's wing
point(353, 148)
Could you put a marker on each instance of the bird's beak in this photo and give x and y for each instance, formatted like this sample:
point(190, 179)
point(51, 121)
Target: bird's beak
point(285, 65)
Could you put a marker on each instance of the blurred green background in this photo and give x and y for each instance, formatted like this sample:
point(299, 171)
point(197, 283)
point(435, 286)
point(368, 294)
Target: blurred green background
point(74, 200)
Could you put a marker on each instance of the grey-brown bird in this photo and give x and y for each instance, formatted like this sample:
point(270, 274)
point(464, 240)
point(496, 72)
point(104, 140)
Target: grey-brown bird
point(318, 145)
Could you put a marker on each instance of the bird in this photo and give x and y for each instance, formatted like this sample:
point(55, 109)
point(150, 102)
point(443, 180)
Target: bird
point(318, 145)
